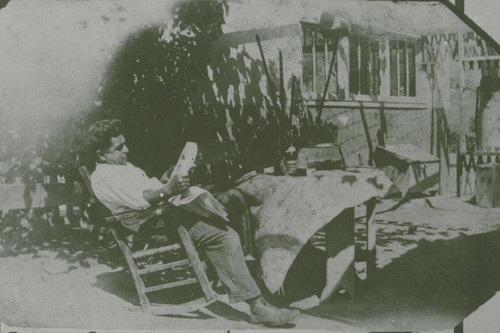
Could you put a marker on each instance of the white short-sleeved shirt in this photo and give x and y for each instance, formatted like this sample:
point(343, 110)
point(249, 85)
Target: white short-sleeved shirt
point(120, 188)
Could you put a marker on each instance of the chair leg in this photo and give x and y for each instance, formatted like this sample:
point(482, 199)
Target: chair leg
point(139, 284)
point(196, 263)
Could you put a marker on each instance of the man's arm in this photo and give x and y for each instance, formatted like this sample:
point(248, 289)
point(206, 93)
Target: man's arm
point(175, 186)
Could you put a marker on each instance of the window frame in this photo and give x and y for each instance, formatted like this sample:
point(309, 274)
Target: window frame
point(370, 40)
point(410, 86)
point(311, 46)
point(384, 79)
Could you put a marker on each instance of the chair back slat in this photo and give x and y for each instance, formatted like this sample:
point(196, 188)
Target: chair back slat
point(84, 172)
point(99, 214)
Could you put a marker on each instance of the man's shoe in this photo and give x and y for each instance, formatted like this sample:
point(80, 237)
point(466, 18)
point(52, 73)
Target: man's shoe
point(264, 313)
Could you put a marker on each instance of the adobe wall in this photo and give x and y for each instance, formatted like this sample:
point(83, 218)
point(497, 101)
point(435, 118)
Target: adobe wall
point(408, 124)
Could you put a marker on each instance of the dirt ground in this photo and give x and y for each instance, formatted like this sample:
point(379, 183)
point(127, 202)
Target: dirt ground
point(438, 260)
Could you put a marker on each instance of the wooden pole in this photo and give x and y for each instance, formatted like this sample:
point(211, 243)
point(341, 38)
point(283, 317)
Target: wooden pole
point(433, 116)
point(282, 84)
point(276, 110)
point(445, 137)
point(325, 90)
point(477, 119)
point(433, 111)
point(292, 101)
point(459, 171)
point(367, 133)
point(383, 120)
point(438, 150)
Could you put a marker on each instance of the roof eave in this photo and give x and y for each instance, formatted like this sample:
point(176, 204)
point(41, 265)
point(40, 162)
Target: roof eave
point(467, 20)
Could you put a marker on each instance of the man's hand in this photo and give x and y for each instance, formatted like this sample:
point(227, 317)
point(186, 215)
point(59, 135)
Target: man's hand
point(179, 184)
point(165, 178)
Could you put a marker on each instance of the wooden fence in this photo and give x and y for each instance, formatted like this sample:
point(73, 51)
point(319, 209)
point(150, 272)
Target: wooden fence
point(467, 165)
point(40, 195)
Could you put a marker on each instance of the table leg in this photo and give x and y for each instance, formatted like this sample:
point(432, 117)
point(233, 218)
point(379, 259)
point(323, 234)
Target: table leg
point(340, 270)
point(371, 237)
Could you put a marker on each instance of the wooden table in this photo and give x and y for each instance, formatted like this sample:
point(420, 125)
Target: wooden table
point(399, 162)
point(293, 209)
point(340, 250)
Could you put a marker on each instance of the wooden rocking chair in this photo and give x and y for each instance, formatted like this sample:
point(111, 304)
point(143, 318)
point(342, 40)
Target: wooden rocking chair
point(144, 263)
point(218, 163)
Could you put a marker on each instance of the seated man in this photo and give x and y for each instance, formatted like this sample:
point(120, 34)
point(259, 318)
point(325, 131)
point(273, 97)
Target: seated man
point(125, 189)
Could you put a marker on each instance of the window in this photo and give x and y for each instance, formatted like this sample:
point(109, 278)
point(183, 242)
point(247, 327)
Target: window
point(317, 53)
point(402, 68)
point(364, 66)
point(371, 60)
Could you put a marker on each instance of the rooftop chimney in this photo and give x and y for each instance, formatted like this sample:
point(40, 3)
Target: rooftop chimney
point(460, 4)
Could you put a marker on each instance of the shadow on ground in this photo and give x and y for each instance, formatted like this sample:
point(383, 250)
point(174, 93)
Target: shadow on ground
point(78, 247)
point(425, 285)
point(433, 286)
point(430, 275)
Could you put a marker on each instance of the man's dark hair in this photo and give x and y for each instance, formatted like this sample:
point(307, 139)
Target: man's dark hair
point(100, 133)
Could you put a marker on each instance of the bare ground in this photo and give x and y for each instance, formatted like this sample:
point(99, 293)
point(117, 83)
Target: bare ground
point(438, 260)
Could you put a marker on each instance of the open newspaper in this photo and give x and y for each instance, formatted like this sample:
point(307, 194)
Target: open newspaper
point(195, 199)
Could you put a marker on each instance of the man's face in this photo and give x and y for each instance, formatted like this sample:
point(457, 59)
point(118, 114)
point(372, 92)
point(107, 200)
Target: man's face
point(116, 153)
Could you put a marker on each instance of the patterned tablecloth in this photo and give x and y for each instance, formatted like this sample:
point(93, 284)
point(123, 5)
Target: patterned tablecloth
point(294, 208)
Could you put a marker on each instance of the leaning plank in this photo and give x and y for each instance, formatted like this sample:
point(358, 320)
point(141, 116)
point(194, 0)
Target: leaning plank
point(367, 133)
point(26, 196)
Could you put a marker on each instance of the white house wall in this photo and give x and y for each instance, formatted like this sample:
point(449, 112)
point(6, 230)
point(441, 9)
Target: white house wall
point(408, 123)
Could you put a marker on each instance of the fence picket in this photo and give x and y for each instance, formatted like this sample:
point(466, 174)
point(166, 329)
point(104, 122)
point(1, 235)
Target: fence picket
point(474, 159)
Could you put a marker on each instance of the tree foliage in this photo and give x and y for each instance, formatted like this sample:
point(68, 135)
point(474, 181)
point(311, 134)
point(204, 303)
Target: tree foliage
point(167, 86)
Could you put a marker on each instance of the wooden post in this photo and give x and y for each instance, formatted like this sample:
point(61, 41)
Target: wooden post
point(292, 101)
point(371, 237)
point(340, 254)
point(445, 138)
point(459, 171)
point(314, 33)
point(367, 134)
point(433, 116)
point(477, 118)
point(438, 150)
